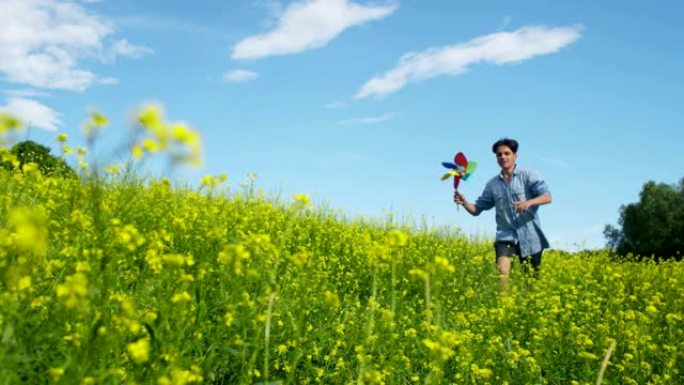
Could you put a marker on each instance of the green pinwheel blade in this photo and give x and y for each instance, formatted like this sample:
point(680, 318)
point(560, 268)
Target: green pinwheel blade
point(471, 167)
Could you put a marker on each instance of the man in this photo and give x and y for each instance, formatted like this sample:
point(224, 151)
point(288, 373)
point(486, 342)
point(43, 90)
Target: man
point(517, 194)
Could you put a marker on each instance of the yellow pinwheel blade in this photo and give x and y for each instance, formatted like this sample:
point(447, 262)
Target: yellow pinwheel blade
point(450, 174)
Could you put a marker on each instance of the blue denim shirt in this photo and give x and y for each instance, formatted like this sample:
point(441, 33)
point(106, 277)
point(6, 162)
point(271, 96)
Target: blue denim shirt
point(512, 226)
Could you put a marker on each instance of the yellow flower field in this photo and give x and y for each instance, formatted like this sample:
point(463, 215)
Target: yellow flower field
point(113, 279)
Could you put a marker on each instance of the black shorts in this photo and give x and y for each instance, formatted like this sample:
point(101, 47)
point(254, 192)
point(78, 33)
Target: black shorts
point(508, 249)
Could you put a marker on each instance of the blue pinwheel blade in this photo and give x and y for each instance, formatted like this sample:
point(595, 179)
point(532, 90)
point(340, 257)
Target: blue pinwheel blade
point(449, 165)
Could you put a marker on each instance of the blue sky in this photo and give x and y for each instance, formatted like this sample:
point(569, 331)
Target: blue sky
point(356, 103)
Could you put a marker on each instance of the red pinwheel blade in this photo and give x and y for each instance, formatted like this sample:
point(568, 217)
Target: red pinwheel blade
point(461, 160)
point(456, 180)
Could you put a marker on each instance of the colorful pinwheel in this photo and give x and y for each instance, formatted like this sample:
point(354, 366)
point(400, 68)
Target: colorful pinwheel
point(460, 169)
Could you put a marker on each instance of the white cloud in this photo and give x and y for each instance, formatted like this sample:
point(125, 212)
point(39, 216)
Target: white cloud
point(42, 42)
point(239, 76)
point(32, 113)
point(26, 93)
point(497, 48)
point(307, 25)
point(368, 119)
point(125, 48)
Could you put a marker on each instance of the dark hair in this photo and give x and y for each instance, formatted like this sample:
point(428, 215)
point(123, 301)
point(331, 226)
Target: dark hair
point(508, 142)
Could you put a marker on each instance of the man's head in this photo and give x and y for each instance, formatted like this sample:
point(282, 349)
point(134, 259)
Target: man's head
point(506, 151)
point(512, 144)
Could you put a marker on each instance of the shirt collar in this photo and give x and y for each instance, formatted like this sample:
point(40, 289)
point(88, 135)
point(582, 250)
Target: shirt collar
point(516, 171)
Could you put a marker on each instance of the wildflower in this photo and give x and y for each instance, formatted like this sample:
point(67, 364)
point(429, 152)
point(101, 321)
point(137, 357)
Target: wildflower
point(150, 145)
point(442, 264)
point(139, 351)
point(137, 152)
point(150, 117)
point(183, 377)
point(331, 299)
point(27, 231)
point(92, 127)
point(181, 297)
point(56, 373)
point(114, 170)
point(183, 134)
point(234, 256)
point(24, 284)
point(8, 122)
point(301, 202)
point(62, 138)
point(74, 290)
point(228, 318)
point(397, 238)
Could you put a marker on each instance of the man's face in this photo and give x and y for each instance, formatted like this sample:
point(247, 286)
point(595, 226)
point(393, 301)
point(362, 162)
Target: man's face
point(505, 157)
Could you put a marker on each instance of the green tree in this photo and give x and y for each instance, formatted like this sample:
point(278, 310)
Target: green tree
point(29, 151)
point(652, 226)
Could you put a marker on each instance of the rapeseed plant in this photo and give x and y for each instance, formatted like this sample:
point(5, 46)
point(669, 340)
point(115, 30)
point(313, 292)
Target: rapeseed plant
point(119, 279)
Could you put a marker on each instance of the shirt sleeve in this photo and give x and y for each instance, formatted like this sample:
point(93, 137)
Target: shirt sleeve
point(486, 200)
point(537, 185)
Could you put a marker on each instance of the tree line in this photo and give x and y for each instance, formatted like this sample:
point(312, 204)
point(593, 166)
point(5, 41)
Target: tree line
point(653, 226)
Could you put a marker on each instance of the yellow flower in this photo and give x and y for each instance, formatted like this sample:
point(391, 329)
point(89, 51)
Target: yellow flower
point(150, 145)
point(139, 351)
point(301, 202)
point(56, 373)
point(397, 238)
point(24, 284)
point(27, 231)
point(8, 122)
point(94, 124)
point(98, 119)
point(74, 290)
point(150, 117)
point(184, 134)
point(62, 138)
point(442, 264)
point(181, 297)
point(137, 152)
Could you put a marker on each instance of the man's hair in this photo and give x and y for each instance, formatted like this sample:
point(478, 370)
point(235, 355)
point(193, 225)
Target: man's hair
point(508, 142)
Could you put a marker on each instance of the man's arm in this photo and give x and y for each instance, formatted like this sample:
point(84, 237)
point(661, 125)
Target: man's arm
point(542, 199)
point(470, 208)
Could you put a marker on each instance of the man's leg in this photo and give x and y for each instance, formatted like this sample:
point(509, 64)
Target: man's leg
point(504, 265)
point(504, 252)
point(534, 260)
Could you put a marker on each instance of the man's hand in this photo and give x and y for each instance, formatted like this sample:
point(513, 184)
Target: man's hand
point(459, 199)
point(522, 206)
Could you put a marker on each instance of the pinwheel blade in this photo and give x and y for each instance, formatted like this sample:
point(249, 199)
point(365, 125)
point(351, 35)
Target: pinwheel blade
point(471, 167)
point(451, 173)
point(448, 165)
point(461, 160)
point(456, 180)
